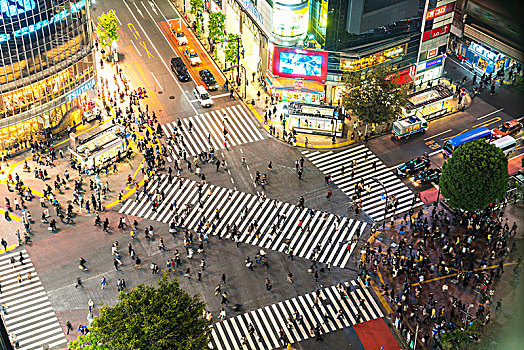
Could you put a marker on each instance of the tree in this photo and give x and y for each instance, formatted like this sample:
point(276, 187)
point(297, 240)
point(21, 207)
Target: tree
point(195, 8)
point(149, 317)
point(217, 26)
point(372, 96)
point(232, 49)
point(459, 339)
point(107, 29)
point(475, 176)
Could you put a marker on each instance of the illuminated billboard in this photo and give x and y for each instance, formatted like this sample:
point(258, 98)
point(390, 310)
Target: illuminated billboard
point(290, 18)
point(297, 63)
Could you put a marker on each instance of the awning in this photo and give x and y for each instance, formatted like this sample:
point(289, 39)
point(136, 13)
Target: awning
point(495, 44)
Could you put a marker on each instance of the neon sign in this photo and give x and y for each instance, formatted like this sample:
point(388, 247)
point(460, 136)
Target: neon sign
point(430, 34)
point(439, 11)
point(81, 89)
point(12, 8)
point(42, 24)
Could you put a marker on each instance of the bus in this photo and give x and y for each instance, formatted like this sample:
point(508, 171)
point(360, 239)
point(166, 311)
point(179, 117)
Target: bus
point(453, 143)
point(507, 144)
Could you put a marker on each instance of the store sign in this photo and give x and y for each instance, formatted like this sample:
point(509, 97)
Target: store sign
point(15, 8)
point(42, 24)
point(252, 8)
point(482, 51)
point(429, 64)
point(373, 60)
point(298, 84)
point(432, 53)
point(435, 33)
point(440, 11)
point(290, 21)
point(81, 89)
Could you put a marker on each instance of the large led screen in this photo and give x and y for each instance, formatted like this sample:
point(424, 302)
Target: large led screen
point(306, 64)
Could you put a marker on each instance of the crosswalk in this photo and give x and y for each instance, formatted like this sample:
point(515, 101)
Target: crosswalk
point(29, 313)
point(268, 322)
point(217, 129)
point(283, 226)
point(368, 166)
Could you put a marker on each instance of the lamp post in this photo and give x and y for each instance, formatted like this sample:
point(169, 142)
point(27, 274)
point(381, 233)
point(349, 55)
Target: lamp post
point(466, 318)
point(386, 194)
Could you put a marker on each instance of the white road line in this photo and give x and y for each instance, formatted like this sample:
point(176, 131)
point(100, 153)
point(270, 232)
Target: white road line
point(136, 48)
point(158, 53)
point(232, 180)
point(156, 80)
point(487, 115)
point(118, 19)
point(221, 95)
point(141, 14)
point(442, 133)
point(435, 152)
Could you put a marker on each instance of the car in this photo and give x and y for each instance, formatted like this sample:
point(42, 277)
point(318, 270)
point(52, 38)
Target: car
point(208, 79)
point(202, 96)
point(181, 38)
point(508, 128)
point(192, 56)
point(426, 176)
point(179, 68)
point(413, 166)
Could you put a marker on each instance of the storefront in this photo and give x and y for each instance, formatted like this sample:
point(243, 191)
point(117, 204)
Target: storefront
point(295, 90)
point(484, 59)
point(355, 65)
point(430, 70)
point(314, 119)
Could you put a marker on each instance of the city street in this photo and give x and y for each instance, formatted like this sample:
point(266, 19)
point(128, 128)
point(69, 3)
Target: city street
point(301, 239)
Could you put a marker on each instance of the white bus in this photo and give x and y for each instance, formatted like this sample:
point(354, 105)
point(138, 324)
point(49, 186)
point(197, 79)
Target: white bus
point(507, 144)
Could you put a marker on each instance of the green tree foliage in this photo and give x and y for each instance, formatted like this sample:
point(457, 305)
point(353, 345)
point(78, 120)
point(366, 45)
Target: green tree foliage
point(372, 96)
point(475, 176)
point(149, 317)
point(107, 29)
point(232, 49)
point(459, 339)
point(195, 7)
point(217, 26)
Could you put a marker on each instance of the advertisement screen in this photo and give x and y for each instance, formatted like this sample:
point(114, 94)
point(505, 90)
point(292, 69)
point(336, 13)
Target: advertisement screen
point(296, 63)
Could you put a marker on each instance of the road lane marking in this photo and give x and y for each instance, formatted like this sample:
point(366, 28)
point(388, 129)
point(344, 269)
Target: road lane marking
point(159, 56)
point(442, 133)
point(141, 14)
point(135, 32)
point(149, 54)
point(136, 48)
point(436, 152)
point(156, 80)
point(487, 115)
point(221, 95)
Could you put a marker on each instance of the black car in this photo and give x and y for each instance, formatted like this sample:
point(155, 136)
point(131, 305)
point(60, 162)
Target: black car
point(414, 166)
point(179, 68)
point(427, 176)
point(208, 79)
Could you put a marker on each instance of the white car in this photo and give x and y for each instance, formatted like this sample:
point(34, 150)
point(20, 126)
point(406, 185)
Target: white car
point(202, 96)
point(181, 38)
point(193, 57)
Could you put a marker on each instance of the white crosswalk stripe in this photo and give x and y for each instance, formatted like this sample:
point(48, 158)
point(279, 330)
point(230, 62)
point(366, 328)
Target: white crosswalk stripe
point(29, 312)
point(207, 131)
point(368, 166)
point(281, 225)
point(262, 328)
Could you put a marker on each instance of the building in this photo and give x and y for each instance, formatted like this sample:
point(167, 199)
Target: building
point(487, 35)
point(47, 68)
point(303, 48)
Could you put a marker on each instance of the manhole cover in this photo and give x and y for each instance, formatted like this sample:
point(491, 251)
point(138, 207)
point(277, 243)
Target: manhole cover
point(160, 92)
point(171, 97)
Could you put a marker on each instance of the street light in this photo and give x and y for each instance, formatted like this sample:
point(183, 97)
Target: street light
point(386, 194)
point(466, 319)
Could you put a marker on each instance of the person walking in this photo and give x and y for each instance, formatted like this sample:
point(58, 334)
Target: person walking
point(69, 327)
point(103, 282)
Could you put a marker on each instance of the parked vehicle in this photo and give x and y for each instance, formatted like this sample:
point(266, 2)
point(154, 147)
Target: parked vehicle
point(208, 79)
point(181, 38)
point(179, 68)
point(192, 56)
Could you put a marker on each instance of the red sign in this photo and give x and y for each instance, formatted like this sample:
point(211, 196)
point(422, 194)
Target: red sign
point(439, 11)
point(434, 33)
point(432, 52)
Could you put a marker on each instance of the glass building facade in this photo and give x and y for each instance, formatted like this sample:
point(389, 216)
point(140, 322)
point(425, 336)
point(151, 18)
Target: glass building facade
point(47, 68)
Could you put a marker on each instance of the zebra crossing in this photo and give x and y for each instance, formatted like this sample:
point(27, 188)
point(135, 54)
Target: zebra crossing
point(283, 226)
point(217, 129)
point(269, 322)
point(29, 313)
point(373, 204)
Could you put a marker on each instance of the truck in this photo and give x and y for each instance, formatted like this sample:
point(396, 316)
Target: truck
point(405, 127)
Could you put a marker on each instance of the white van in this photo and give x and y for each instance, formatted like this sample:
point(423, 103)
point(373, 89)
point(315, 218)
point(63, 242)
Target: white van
point(507, 144)
point(202, 96)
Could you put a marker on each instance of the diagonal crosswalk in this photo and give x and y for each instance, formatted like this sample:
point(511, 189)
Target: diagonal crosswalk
point(29, 312)
point(310, 234)
point(268, 323)
point(217, 129)
point(368, 165)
